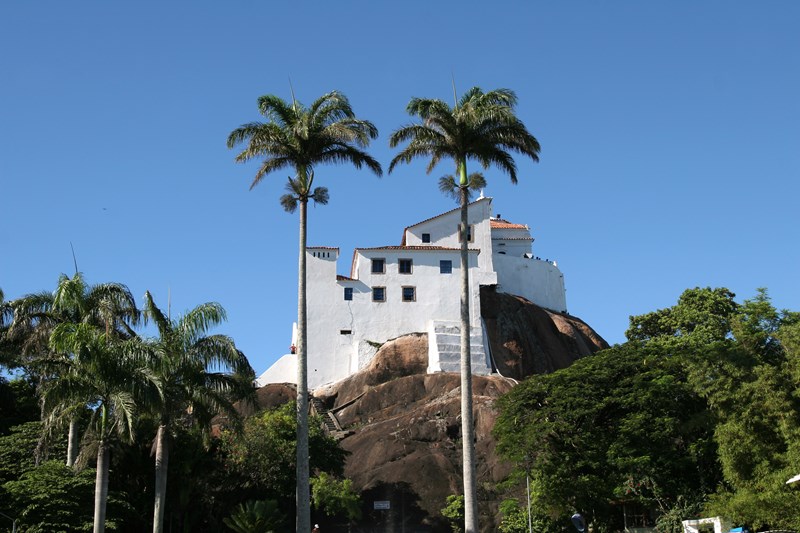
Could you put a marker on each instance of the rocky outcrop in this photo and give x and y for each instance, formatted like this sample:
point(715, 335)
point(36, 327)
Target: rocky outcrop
point(526, 339)
point(402, 426)
point(405, 425)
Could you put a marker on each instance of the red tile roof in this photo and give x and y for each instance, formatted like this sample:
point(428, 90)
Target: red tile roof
point(498, 223)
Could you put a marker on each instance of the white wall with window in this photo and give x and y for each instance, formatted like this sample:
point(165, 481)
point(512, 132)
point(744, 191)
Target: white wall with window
point(394, 290)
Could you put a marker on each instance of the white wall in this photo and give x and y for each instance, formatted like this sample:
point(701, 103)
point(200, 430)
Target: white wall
point(343, 335)
point(332, 355)
point(539, 281)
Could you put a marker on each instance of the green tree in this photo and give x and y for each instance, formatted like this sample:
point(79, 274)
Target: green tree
point(52, 497)
point(108, 376)
point(748, 381)
point(109, 306)
point(623, 425)
point(514, 518)
point(701, 316)
point(737, 361)
point(453, 511)
point(335, 497)
point(8, 356)
point(482, 127)
point(194, 375)
point(301, 138)
point(19, 402)
point(263, 456)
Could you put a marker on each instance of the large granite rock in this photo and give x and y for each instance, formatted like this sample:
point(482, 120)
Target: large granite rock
point(402, 427)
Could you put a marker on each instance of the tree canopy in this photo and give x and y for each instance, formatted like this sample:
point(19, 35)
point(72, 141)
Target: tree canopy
point(697, 412)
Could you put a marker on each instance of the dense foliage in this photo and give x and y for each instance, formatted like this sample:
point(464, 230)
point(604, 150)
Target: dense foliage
point(82, 364)
point(697, 412)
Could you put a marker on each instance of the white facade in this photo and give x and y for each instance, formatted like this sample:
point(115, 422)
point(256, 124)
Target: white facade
point(419, 284)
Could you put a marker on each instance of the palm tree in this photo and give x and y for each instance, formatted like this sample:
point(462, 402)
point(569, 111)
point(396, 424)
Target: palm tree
point(110, 306)
point(482, 127)
point(183, 366)
point(300, 138)
point(106, 376)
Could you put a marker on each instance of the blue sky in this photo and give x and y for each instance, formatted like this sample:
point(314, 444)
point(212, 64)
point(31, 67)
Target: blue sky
point(670, 136)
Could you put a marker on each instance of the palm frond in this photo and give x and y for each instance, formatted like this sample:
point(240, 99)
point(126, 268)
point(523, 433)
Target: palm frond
point(448, 185)
point(277, 109)
point(300, 138)
point(152, 312)
point(482, 127)
point(199, 320)
point(320, 196)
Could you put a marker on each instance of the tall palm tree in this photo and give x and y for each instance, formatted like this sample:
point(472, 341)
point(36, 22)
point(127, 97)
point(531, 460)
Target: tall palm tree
point(110, 306)
point(194, 375)
point(482, 127)
point(300, 138)
point(106, 376)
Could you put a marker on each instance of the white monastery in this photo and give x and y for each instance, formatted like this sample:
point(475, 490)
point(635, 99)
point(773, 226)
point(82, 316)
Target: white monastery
point(415, 287)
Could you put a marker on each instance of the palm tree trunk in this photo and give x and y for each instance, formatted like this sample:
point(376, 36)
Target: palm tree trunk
point(467, 427)
point(72, 442)
point(162, 462)
point(303, 497)
point(101, 488)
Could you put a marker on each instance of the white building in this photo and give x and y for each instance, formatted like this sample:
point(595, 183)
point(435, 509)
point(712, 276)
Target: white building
point(415, 287)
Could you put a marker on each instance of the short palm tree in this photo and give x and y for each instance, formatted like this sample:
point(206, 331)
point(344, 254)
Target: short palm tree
point(184, 366)
point(301, 138)
point(482, 127)
point(104, 374)
point(109, 306)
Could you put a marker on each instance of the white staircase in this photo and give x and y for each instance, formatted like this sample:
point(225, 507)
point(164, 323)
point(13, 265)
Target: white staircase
point(444, 348)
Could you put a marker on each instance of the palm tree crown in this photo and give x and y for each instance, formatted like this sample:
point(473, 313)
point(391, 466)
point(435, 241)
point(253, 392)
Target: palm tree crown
point(481, 126)
point(300, 138)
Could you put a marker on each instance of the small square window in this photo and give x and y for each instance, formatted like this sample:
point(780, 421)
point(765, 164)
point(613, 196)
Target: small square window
point(409, 294)
point(426, 237)
point(378, 266)
point(445, 266)
point(345, 332)
point(405, 266)
point(348, 293)
point(378, 294)
point(469, 233)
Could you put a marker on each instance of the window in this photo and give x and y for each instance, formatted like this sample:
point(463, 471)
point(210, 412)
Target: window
point(445, 266)
point(404, 266)
point(345, 332)
point(348, 293)
point(469, 233)
point(426, 237)
point(378, 294)
point(378, 266)
point(409, 294)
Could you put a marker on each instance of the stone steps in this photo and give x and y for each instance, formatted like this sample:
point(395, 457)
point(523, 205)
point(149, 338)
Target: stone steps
point(447, 338)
